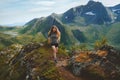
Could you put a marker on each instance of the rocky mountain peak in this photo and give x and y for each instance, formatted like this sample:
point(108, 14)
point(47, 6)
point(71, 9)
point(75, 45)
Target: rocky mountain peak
point(95, 12)
point(91, 2)
point(92, 10)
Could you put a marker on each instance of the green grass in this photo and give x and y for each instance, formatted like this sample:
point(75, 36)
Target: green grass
point(113, 34)
point(41, 60)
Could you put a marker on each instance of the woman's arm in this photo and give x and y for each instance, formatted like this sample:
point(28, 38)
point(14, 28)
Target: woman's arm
point(59, 36)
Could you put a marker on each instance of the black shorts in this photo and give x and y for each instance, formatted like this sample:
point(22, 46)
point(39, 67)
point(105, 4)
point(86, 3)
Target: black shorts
point(54, 44)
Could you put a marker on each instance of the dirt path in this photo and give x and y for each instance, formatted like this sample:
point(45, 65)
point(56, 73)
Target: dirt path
point(66, 74)
point(62, 63)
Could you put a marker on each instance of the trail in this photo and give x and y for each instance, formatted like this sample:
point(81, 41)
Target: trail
point(66, 74)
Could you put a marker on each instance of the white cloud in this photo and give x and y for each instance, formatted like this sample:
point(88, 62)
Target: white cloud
point(45, 3)
point(25, 10)
point(109, 2)
point(68, 5)
point(40, 9)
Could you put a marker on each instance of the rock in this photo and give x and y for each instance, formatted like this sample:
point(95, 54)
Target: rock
point(106, 58)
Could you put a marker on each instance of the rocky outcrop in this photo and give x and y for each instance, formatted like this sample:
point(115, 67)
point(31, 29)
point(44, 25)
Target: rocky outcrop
point(24, 50)
point(103, 64)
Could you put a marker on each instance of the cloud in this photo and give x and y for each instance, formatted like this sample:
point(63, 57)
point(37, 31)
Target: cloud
point(45, 3)
point(67, 5)
point(40, 9)
point(109, 2)
point(25, 10)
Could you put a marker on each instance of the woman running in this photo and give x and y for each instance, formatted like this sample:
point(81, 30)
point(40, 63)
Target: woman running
point(54, 39)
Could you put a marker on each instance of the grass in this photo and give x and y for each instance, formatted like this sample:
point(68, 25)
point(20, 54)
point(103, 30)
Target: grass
point(40, 60)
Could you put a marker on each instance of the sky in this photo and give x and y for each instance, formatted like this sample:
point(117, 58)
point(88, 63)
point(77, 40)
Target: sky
point(14, 12)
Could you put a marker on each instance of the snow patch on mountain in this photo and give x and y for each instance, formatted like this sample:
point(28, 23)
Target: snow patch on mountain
point(90, 13)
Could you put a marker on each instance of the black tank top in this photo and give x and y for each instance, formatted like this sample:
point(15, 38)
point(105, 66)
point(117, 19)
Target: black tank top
point(53, 38)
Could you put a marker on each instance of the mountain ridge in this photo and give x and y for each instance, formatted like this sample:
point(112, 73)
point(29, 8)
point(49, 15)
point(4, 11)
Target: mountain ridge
point(77, 20)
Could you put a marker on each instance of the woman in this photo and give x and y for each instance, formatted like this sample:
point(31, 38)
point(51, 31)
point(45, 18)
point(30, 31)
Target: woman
point(54, 39)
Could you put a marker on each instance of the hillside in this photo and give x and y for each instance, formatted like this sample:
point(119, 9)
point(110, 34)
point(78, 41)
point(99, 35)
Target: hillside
point(5, 40)
point(113, 34)
point(35, 62)
point(30, 62)
point(43, 25)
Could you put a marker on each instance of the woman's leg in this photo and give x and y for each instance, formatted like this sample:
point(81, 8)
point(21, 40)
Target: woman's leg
point(54, 52)
point(56, 49)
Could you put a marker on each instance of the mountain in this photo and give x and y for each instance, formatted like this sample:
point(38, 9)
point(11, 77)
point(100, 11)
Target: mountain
point(93, 12)
point(116, 11)
point(43, 25)
point(18, 24)
point(81, 24)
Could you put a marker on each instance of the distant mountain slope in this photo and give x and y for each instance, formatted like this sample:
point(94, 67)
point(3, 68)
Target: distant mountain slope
point(116, 11)
point(43, 25)
point(4, 28)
